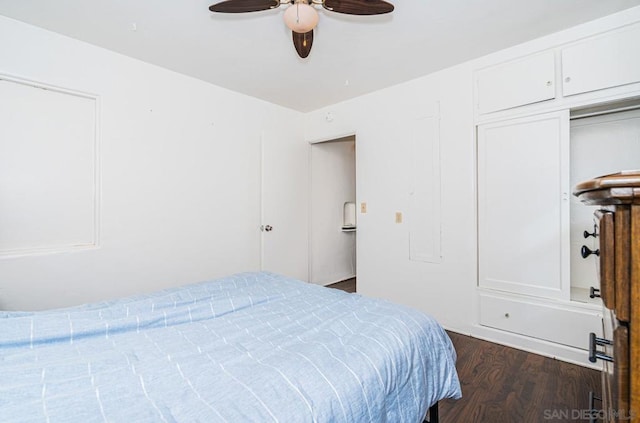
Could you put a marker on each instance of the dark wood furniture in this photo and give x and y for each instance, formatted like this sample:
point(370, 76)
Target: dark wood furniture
point(618, 221)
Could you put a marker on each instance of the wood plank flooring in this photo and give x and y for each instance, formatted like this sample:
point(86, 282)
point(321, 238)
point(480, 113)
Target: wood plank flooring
point(506, 385)
point(502, 384)
point(348, 285)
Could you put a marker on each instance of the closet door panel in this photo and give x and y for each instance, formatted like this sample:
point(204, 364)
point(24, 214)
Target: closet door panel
point(601, 62)
point(516, 83)
point(523, 204)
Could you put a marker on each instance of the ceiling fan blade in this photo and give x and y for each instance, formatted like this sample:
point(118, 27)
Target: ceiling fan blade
point(302, 42)
point(358, 7)
point(241, 6)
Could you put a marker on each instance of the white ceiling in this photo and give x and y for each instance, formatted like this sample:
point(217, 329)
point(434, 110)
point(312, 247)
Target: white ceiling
point(253, 53)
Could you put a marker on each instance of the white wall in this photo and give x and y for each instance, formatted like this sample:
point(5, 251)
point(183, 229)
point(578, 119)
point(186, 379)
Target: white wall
point(181, 186)
point(333, 182)
point(382, 122)
point(180, 175)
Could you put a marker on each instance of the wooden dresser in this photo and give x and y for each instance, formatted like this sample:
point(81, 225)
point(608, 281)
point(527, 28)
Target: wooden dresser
point(618, 232)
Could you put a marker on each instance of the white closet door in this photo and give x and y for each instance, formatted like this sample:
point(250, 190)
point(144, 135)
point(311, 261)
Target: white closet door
point(523, 81)
point(606, 61)
point(523, 205)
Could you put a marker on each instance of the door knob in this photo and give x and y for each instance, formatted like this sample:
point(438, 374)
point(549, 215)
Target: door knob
point(266, 228)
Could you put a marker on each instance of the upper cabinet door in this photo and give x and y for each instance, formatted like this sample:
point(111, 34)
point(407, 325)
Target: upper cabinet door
point(524, 81)
point(610, 60)
point(523, 205)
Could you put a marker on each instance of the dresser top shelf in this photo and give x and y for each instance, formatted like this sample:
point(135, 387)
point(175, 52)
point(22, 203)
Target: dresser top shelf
point(616, 188)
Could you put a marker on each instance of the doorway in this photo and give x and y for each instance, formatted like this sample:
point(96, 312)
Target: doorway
point(332, 216)
point(604, 140)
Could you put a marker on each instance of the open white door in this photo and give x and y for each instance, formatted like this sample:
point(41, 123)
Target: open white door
point(284, 204)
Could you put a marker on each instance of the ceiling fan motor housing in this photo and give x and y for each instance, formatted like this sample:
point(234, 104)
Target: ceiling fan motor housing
point(300, 17)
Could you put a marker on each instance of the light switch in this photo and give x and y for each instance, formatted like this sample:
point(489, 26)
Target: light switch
point(398, 217)
point(363, 208)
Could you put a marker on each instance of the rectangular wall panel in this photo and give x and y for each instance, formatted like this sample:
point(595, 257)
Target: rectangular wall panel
point(48, 169)
point(424, 202)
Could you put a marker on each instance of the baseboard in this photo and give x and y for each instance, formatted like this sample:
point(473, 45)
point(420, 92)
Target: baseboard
point(536, 346)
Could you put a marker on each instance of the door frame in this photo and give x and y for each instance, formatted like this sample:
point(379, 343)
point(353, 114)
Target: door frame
point(311, 143)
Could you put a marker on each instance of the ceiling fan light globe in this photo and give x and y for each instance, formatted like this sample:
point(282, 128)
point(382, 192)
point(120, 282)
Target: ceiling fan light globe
point(301, 18)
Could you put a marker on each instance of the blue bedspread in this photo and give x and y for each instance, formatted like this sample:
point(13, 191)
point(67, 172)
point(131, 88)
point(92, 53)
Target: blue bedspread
point(253, 347)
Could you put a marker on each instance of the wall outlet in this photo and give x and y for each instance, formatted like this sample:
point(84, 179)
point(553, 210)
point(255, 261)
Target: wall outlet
point(398, 217)
point(363, 208)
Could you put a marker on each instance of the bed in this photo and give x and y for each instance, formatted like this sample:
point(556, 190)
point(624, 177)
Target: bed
point(252, 347)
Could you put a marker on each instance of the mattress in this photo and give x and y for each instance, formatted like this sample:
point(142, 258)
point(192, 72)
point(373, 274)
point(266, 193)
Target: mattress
point(252, 347)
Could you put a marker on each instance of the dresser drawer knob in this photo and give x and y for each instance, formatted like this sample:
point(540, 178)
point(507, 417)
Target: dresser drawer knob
point(594, 234)
point(586, 252)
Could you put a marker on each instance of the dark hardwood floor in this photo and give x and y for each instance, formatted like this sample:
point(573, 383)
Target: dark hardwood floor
point(502, 384)
point(348, 285)
point(506, 385)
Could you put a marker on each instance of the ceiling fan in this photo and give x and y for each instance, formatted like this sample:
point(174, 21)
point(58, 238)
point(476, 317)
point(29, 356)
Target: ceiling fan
point(301, 16)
